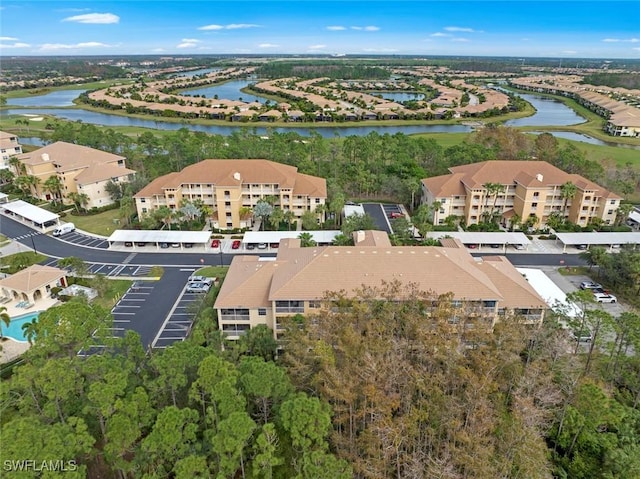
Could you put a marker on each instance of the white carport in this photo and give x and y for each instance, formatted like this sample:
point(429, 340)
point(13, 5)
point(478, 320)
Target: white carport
point(321, 237)
point(32, 214)
point(555, 298)
point(610, 240)
point(484, 238)
point(161, 239)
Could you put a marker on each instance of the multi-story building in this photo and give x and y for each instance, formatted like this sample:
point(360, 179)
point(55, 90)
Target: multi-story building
point(9, 146)
point(233, 187)
point(258, 292)
point(80, 169)
point(525, 189)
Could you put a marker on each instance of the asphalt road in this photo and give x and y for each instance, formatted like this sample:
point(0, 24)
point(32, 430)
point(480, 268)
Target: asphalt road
point(376, 211)
point(148, 315)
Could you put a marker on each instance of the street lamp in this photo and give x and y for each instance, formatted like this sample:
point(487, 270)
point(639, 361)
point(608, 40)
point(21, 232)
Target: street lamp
point(33, 242)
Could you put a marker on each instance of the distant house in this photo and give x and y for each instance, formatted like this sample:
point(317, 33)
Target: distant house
point(9, 146)
point(80, 169)
point(32, 284)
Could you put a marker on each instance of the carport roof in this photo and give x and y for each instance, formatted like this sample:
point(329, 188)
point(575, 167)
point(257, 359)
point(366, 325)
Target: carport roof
point(276, 236)
point(160, 236)
point(483, 237)
point(30, 212)
point(599, 238)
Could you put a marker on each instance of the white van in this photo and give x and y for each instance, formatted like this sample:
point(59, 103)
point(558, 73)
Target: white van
point(64, 229)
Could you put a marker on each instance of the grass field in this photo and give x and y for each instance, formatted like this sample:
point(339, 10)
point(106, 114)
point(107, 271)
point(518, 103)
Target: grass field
point(117, 288)
point(100, 224)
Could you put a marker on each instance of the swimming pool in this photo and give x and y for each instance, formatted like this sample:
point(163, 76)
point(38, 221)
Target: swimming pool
point(14, 331)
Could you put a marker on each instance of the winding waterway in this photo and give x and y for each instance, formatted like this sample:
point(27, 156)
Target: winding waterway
point(549, 112)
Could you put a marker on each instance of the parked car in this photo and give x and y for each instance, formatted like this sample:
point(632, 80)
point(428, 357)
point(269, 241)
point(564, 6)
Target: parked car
point(188, 245)
point(128, 244)
point(605, 298)
point(141, 243)
point(175, 245)
point(581, 246)
point(262, 245)
point(582, 336)
point(471, 246)
point(64, 229)
point(590, 285)
point(518, 246)
point(200, 279)
point(215, 243)
point(164, 245)
point(250, 246)
point(495, 246)
point(235, 244)
point(274, 245)
point(198, 288)
point(395, 215)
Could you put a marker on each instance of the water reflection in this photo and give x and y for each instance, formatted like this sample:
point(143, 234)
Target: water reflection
point(56, 98)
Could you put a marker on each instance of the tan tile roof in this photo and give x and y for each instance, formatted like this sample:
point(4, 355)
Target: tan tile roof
point(69, 156)
point(246, 283)
point(96, 173)
point(371, 238)
point(308, 273)
point(221, 173)
point(314, 271)
point(508, 172)
point(445, 185)
point(32, 278)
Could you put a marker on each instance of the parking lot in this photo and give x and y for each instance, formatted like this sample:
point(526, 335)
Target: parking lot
point(111, 270)
point(84, 240)
point(382, 213)
point(180, 320)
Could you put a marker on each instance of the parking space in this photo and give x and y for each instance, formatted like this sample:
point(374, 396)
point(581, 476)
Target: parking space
point(84, 240)
point(112, 270)
point(179, 322)
point(614, 308)
point(376, 211)
point(127, 312)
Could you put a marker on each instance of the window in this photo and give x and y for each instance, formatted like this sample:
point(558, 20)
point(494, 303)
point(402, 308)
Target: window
point(314, 304)
point(610, 212)
point(144, 210)
point(262, 311)
point(536, 194)
point(317, 201)
point(613, 202)
point(534, 205)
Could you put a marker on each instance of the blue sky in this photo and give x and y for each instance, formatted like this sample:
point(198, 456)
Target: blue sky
point(570, 29)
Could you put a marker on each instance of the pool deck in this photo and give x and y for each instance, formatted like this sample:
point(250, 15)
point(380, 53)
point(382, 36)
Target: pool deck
point(11, 349)
point(40, 305)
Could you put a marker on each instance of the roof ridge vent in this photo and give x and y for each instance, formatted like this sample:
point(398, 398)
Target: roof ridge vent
point(539, 177)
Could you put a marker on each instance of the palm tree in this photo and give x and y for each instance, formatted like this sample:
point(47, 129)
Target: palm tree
point(567, 191)
point(53, 185)
point(622, 213)
point(18, 166)
point(30, 330)
point(4, 318)
point(276, 217)
point(593, 256)
point(80, 200)
point(288, 217)
point(493, 190)
point(306, 240)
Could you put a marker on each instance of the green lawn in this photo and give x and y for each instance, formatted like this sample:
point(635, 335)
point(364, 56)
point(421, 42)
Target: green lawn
point(15, 262)
point(117, 288)
point(100, 224)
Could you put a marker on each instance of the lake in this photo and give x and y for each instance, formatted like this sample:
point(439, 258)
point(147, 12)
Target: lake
point(549, 112)
point(56, 99)
point(228, 91)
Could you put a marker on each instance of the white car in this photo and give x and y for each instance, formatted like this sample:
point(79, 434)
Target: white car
point(198, 288)
point(605, 298)
point(590, 285)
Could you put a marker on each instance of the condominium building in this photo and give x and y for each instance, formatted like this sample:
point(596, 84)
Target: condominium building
point(525, 190)
point(80, 169)
point(231, 188)
point(258, 292)
point(9, 146)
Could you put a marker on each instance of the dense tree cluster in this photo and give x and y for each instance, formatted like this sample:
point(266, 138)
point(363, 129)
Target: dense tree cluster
point(322, 68)
point(188, 411)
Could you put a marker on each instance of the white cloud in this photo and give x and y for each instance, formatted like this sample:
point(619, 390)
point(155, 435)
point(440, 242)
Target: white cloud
point(460, 29)
point(8, 39)
point(188, 43)
point(231, 26)
point(440, 34)
point(636, 49)
point(268, 45)
point(158, 50)
point(369, 28)
point(569, 52)
point(317, 47)
point(336, 28)
point(101, 18)
point(459, 39)
point(15, 45)
point(71, 46)
point(625, 40)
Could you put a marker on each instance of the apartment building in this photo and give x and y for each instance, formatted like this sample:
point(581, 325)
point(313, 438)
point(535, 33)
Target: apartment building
point(528, 189)
point(80, 169)
point(258, 292)
point(233, 187)
point(9, 146)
